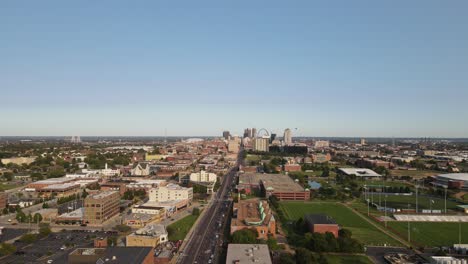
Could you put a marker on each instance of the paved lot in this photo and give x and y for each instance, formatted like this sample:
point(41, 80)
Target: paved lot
point(49, 248)
point(377, 253)
point(10, 233)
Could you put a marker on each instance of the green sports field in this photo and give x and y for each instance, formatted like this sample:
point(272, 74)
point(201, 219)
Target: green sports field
point(424, 202)
point(432, 234)
point(362, 230)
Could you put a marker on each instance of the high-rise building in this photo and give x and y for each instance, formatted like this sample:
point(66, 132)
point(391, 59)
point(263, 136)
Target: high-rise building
point(363, 141)
point(226, 135)
point(248, 133)
point(254, 132)
point(287, 138)
point(261, 144)
point(272, 137)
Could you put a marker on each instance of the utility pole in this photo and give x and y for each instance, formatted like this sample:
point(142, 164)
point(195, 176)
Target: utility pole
point(385, 210)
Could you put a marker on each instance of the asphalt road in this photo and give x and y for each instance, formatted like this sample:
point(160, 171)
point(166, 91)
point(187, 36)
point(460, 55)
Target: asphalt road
point(205, 240)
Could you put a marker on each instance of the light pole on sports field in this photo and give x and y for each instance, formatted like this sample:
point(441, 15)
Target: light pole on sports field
point(409, 229)
point(459, 231)
point(385, 210)
point(417, 186)
point(445, 200)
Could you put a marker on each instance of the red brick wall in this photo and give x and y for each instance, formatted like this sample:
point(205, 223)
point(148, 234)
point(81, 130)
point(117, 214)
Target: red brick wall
point(319, 228)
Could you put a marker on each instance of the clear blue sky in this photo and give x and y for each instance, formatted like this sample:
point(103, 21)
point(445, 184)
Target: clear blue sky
point(329, 68)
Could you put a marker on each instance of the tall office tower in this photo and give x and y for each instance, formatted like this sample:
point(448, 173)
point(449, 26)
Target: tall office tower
point(254, 132)
point(247, 133)
point(363, 141)
point(287, 138)
point(272, 137)
point(226, 135)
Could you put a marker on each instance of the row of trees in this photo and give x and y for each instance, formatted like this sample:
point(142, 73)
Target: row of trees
point(132, 194)
point(23, 218)
point(250, 236)
point(44, 231)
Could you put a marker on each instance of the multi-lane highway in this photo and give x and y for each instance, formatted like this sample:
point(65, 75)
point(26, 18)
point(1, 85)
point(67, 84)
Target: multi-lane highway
point(205, 240)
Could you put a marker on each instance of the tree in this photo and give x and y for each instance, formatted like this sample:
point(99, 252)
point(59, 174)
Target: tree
point(112, 241)
point(84, 194)
point(304, 256)
point(28, 238)
point(45, 205)
point(123, 228)
point(44, 230)
point(244, 236)
point(196, 211)
point(345, 233)
point(37, 218)
point(272, 243)
point(21, 217)
point(8, 176)
point(286, 258)
point(6, 249)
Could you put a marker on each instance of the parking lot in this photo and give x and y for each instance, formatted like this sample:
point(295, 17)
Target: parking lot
point(55, 247)
point(10, 233)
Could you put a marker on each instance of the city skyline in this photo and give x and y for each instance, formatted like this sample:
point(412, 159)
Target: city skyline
point(360, 69)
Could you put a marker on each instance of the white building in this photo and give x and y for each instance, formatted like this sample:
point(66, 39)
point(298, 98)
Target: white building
point(109, 172)
point(170, 192)
point(203, 176)
point(322, 144)
point(141, 169)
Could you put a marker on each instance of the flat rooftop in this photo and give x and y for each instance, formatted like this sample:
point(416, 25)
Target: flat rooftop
point(318, 219)
point(454, 176)
point(62, 186)
point(280, 183)
point(360, 172)
point(248, 253)
point(151, 230)
point(54, 180)
point(102, 194)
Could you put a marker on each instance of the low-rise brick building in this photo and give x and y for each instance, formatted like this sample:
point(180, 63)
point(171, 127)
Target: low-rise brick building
point(319, 223)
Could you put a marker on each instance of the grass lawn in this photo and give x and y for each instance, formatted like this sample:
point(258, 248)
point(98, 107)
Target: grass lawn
point(384, 183)
point(362, 230)
point(4, 187)
point(414, 173)
point(344, 259)
point(179, 229)
point(432, 234)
